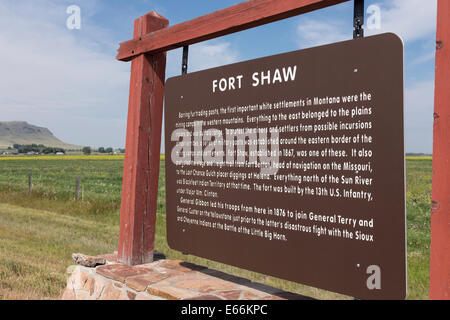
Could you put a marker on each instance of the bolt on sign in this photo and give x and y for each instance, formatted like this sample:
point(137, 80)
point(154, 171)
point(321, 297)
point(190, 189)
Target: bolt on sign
point(293, 166)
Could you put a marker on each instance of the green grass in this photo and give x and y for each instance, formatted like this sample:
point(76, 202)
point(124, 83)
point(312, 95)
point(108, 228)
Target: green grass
point(38, 233)
point(36, 248)
point(418, 217)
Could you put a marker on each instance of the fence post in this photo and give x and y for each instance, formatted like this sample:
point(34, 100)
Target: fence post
point(77, 188)
point(29, 183)
point(440, 196)
point(143, 143)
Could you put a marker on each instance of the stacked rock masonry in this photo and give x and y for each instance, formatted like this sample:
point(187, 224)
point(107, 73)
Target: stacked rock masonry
point(163, 280)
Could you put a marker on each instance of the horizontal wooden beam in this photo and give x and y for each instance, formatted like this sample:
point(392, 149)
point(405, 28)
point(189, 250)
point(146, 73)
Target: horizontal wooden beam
point(245, 15)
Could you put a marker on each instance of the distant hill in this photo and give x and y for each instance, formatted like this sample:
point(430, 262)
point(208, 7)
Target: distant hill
point(21, 132)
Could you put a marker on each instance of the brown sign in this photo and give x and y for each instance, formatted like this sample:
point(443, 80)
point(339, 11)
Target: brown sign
point(293, 166)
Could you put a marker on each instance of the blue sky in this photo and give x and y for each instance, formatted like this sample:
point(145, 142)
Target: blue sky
point(69, 81)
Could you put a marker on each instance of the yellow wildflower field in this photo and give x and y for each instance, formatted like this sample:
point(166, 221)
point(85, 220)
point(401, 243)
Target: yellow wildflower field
point(69, 157)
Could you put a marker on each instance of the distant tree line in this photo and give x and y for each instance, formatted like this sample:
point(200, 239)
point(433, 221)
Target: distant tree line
point(105, 150)
point(418, 155)
point(109, 150)
point(87, 150)
point(38, 148)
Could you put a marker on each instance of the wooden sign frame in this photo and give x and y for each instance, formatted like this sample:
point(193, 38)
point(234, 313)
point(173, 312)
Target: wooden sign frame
point(440, 204)
point(152, 38)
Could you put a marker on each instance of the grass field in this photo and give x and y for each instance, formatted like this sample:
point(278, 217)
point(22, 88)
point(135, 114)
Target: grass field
point(38, 233)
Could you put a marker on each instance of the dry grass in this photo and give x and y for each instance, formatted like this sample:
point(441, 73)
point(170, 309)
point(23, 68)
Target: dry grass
point(36, 248)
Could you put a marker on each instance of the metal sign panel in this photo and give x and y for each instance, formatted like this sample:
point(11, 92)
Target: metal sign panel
point(293, 166)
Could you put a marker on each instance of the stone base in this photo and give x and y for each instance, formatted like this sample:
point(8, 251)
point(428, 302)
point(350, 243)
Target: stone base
point(163, 280)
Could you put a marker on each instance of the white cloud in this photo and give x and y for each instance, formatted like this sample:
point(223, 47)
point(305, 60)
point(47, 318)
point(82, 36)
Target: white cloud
point(202, 56)
point(429, 56)
point(419, 106)
point(316, 32)
point(420, 97)
point(206, 55)
point(410, 19)
point(51, 76)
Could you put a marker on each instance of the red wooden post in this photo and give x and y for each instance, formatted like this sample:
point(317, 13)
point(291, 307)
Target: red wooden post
point(440, 211)
point(143, 143)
